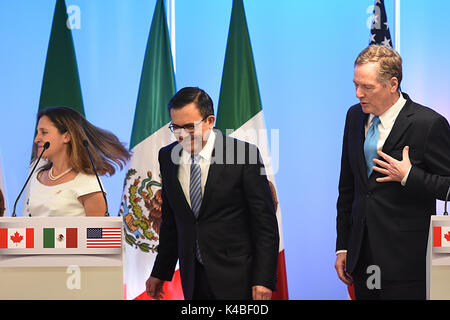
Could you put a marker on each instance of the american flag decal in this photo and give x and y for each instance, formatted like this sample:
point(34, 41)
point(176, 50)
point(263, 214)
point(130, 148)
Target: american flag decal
point(103, 237)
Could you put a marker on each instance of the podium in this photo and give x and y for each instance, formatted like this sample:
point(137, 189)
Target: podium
point(61, 258)
point(438, 259)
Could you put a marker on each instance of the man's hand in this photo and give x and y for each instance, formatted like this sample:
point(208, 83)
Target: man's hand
point(393, 169)
point(261, 293)
point(154, 288)
point(341, 261)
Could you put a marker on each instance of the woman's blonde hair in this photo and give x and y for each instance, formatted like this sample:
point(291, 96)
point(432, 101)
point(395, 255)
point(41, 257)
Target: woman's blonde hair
point(389, 62)
point(106, 149)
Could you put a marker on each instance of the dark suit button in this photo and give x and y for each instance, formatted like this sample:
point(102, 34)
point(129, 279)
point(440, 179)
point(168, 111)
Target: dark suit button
point(368, 194)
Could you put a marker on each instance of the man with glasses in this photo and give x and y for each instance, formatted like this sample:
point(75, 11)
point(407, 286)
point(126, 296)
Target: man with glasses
point(218, 215)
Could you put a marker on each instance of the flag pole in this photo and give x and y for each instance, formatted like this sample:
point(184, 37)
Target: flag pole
point(397, 24)
point(170, 7)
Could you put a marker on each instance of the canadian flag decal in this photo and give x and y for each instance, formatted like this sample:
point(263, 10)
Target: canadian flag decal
point(441, 236)
point(11, 238)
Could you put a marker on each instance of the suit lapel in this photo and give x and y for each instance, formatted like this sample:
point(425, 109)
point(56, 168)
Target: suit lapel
point(361, 160)
point(215, 169)
point(176, 186)
point(401, 124)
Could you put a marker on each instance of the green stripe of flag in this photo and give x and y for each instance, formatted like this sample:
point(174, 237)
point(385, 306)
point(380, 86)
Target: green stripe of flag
point(49, 237)
point(61, 83)
point(239, 98)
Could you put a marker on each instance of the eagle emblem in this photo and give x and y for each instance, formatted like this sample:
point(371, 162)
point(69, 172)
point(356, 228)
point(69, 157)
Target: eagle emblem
point(141, 211)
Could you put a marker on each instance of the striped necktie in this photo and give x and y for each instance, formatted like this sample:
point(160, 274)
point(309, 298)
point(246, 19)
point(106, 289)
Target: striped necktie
point(195, 194)
point(195, 186)
point(370, 144)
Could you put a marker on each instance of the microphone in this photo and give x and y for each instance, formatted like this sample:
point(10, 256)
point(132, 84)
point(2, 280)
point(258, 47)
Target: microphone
point(86, 145)
point(46, 146)
point(446, 200)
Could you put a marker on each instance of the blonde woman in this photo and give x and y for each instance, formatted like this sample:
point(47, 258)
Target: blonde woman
point(66, 185)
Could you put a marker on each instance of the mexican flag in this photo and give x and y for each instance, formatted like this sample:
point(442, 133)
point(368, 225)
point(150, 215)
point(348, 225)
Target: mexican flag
point(240, 113)
point(60, 237)
point(61, 82)
point(141, 200)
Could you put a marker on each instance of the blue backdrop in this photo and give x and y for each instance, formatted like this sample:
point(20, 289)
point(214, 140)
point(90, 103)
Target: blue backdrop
point(304, 53)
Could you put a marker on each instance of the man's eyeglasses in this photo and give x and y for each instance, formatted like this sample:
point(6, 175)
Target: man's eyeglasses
point(190, 127)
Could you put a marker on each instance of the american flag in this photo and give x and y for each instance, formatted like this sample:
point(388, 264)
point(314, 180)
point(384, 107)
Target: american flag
point(379, 33)
point(103, 237)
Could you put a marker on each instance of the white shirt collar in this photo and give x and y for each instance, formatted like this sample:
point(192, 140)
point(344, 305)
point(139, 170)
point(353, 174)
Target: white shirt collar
point(387, 119)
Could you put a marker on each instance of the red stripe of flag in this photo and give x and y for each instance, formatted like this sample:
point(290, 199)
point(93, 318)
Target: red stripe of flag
point(29, 238)
point(103, 247)
point(3, 238)
point(437, 239)
point(172, 289)
point(104, 243)
point(282, 290)
point(71, 238)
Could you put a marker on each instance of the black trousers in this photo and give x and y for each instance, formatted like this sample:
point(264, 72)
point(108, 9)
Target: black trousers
point(388, 289)
point(202, 289)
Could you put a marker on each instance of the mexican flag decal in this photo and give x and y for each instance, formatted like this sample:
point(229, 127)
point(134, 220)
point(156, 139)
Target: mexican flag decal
point(60, 238)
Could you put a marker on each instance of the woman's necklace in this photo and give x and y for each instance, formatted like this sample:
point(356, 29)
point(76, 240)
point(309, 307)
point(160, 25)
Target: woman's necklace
point(53, 178)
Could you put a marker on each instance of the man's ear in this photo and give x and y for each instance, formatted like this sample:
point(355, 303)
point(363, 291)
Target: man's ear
point(394, 84)
point(211, 121)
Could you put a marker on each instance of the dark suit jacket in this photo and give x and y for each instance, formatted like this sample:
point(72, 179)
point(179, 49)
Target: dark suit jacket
point(396, 218)
point(236, 228)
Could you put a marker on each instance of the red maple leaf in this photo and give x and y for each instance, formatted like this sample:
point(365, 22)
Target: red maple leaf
point(447, 236)
point(17, 237)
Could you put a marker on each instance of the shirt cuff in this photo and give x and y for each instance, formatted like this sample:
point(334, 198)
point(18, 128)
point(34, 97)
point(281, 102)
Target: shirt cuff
point(403, 182)
point(341, 251)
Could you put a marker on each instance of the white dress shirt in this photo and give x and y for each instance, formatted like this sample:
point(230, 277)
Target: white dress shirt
point(184, 170)
point(387, 120)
